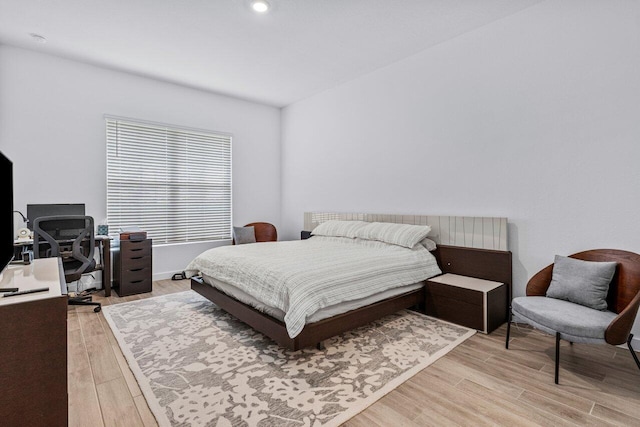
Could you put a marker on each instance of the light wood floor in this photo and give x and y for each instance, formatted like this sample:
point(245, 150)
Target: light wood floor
point(478, 383)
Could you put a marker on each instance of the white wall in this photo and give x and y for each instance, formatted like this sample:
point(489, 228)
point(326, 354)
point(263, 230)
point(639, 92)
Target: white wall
point(535, 117)
point(52, 128)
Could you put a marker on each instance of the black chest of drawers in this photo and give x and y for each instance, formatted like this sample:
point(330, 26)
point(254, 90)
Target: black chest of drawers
point(132, 267)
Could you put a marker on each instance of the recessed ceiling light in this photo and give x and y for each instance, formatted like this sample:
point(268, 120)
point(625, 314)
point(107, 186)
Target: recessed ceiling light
point(38, 38)
point(260, 6)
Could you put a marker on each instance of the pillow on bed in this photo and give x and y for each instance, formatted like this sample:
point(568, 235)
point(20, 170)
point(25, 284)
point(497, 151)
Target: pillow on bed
point(336, 228)
point(397, 234)
point(429, 244)
point(581, 282)
point(243, 235)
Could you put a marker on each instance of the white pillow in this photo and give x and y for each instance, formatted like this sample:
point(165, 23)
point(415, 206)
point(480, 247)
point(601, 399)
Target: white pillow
point(397, 234)
point(336, 228)
point(429, 244)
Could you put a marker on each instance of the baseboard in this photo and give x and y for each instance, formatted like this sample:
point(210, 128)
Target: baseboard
point(635, 342)
point(163, 276)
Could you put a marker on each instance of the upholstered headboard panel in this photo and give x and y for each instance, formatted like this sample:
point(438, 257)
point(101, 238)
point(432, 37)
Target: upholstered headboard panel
point(465, 231)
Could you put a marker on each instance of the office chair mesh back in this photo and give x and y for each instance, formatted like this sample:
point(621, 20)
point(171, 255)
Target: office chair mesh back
point(74, 229)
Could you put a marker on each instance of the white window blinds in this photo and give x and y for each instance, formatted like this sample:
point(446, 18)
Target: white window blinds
point(173, 183)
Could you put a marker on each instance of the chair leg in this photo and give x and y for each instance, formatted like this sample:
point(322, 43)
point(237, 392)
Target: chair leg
point(86, 300)
point(557, 355)
point(506, 344)
point(633, 353)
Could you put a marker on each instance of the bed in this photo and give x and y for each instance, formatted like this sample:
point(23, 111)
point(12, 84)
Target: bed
point(300, 293)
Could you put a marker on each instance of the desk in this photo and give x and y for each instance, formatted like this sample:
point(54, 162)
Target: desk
point(33, 350)
point(103, 243)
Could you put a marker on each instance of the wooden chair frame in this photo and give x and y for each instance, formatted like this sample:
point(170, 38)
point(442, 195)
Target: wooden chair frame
point(264, 231)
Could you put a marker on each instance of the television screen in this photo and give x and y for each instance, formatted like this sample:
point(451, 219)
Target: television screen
point(6, 211)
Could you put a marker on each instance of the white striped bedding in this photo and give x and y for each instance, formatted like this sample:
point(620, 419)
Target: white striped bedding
point(303, 276)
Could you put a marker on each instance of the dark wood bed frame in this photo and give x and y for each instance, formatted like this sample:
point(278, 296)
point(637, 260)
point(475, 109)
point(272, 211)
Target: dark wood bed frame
point(480, 263)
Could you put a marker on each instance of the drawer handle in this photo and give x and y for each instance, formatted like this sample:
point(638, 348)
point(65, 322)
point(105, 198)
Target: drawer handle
point(136, 249)
point(136, 281)
point(137, 269)
point(137, 257)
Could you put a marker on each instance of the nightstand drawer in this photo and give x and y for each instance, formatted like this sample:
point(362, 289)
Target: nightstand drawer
point(455, 311)
point(453, 292)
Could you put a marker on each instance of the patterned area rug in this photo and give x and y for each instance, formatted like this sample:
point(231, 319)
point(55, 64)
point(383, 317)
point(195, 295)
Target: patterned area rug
point(197, 365)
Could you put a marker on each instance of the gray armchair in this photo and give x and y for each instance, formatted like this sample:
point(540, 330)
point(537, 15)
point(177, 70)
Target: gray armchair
point(580, 323)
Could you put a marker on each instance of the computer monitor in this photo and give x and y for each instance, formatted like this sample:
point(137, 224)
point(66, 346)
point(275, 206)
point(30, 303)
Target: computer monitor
point(6, 211)
point(37, 211)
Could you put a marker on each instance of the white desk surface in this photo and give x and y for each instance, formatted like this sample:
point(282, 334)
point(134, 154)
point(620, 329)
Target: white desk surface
point(27, 242)
point(466, 282)
point(41, 273)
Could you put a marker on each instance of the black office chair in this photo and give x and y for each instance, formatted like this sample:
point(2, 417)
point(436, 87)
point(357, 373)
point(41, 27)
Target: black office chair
point(70, 237)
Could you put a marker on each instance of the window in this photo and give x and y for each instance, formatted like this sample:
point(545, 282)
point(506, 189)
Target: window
point(173, 183)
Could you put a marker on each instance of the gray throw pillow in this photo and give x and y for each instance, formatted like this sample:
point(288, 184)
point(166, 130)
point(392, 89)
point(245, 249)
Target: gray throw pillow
point(244, 235)
point(581, 282)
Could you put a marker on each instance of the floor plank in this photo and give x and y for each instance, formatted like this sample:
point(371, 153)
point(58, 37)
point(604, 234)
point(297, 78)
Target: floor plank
point(510, 404)
point(84, 407)
point(118, 407)
point(478, 383)
point(103, 362)
point(613, 416)
point(145, 413)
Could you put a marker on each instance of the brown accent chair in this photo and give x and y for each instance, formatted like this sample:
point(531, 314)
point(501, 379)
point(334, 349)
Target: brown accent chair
point(623, 300)
point(265, 232)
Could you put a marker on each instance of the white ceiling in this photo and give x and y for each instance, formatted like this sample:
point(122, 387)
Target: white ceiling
point(300, 48)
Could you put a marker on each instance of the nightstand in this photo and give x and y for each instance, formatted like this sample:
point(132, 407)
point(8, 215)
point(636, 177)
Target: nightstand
point(475, 303)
